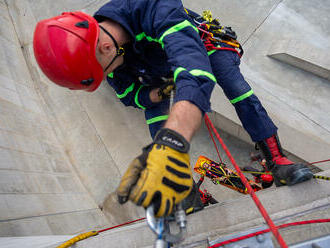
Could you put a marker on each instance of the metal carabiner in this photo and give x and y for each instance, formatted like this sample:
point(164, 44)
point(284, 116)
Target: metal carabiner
point(160, 226)
point(157, 226)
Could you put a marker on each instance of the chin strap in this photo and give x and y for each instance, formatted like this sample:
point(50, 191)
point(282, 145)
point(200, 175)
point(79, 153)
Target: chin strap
point(119, 50)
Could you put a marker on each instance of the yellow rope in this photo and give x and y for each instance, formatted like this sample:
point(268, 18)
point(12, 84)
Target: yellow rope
point(321, 177)
point(78, 238)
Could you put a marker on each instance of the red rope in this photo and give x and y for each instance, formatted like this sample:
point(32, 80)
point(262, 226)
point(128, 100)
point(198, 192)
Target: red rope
point(211, 47)
point(250, 235)
point(206, 36)
point(124, 224)
point(322, 161)
point(261, 208)
point(215, 145)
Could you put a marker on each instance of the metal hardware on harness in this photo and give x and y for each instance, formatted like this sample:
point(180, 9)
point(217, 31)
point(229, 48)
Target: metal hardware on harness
point(214, 26)
point(213, 33)
point(160, 226)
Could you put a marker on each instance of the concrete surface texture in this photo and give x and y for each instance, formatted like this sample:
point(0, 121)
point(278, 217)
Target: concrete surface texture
point(237, 215)
point(62, 152)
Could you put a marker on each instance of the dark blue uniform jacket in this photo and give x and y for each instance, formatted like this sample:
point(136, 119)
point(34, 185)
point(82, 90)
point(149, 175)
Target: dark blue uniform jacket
point(165, 44)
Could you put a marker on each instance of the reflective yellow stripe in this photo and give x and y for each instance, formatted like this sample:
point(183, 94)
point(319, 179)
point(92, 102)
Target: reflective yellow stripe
point(136, 98)
point(176, 28)
point(171, 30)
point(242, 97)
point(143, 35)
point(199, 73)
point(177, 72)
point(157, 119)
point(128, 90)
point(211, 52)
point(195, 72)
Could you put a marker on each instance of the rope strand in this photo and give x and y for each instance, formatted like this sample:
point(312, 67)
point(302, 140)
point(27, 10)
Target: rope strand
point(259, 205)
point(250, 235)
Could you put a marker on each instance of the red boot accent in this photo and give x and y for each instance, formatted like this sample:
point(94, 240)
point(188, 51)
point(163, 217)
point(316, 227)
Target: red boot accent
point(266, 178)
point(277, 156)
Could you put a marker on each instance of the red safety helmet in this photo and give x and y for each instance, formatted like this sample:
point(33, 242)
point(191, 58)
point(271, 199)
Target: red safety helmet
point(64, 47)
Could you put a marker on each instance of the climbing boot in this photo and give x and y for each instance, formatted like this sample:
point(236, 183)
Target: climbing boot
point(193, 203)
point(285, 172)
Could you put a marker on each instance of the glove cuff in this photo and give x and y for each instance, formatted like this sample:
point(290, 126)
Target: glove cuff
point(172, 139)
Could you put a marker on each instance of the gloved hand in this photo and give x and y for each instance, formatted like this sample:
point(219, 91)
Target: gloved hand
point(160, 175)
point(166, 89)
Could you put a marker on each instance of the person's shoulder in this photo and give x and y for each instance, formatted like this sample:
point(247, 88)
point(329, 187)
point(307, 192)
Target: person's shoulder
point(113, 7)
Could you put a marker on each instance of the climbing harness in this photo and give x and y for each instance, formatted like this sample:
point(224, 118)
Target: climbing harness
point(212, 33)
point(221, 174)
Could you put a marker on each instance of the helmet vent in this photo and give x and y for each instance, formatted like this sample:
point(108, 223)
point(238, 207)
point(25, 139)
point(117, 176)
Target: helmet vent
point(83, 24)
point(87, 82)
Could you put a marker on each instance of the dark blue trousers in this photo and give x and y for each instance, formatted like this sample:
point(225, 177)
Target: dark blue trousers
point(225, 66)
point(253, 116)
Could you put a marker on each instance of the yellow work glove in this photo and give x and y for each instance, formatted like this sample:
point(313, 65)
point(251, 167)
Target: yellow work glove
point(161, 175)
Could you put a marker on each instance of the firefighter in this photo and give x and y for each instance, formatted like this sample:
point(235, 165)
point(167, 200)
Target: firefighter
point(145, 48)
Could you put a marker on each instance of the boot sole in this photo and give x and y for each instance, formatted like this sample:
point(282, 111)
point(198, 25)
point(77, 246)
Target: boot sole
point(299, 176)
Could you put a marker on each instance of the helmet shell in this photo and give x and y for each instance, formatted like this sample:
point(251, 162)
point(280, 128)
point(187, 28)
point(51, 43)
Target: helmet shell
point(64, 47)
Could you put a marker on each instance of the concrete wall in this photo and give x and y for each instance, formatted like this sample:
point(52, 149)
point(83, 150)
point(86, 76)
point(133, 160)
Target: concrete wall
point(62, 152)
point(40, 192)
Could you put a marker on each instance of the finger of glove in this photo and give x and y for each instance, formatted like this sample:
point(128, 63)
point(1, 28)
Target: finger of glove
point(129, 179)
point(140, 194)
point(163, 206)
point(145, 197)
point(178, 175)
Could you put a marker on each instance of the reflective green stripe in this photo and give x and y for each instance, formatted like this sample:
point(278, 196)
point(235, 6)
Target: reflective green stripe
point(156, 119)
point(176, 28)
point(136, 98)
point(177, 72)
point(171, 30)
point(128, 90)
point(198, 73)
point(195, 72)
point(141, 36)
point(110, 75)
point(211, 52)
point(242, 97)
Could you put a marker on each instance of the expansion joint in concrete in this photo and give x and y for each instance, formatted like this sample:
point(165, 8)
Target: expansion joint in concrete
point(97, 134)
point(54, 214)
point(262, 22)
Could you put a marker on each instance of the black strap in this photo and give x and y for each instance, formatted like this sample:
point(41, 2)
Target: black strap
point(119, 50)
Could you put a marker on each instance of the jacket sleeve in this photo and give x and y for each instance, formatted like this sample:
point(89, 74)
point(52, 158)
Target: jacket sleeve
point(167, 23)
point(131, 93)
